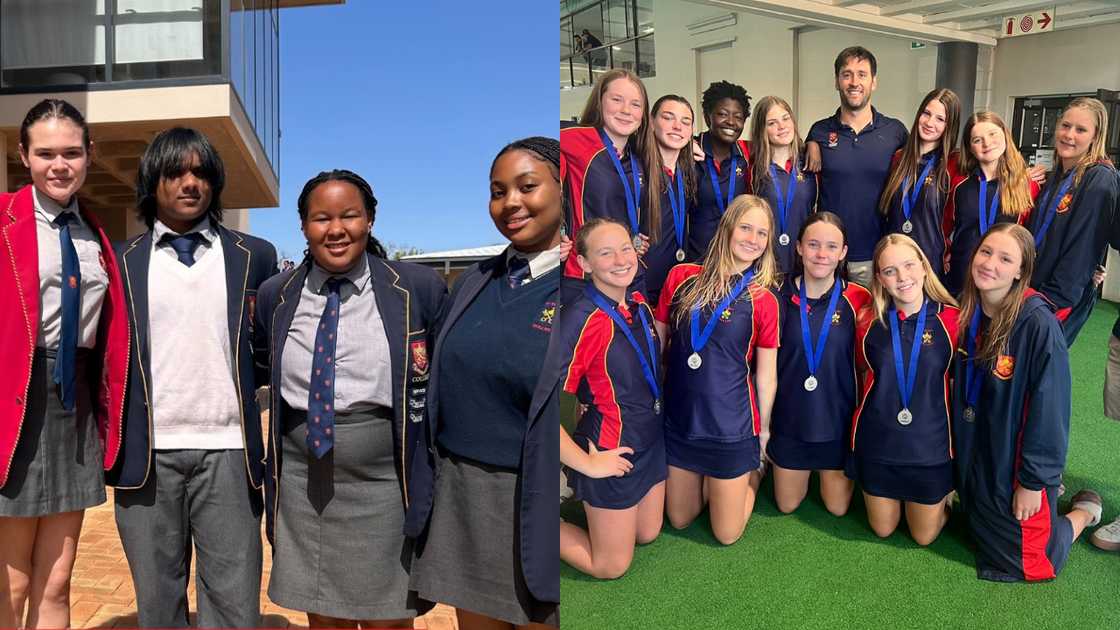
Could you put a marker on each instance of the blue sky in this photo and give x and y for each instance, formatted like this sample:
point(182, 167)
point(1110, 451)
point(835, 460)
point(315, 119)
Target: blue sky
point(416, 97)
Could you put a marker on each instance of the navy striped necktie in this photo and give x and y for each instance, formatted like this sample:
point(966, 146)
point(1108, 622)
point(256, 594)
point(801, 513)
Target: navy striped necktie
point(65, 363)
point(320, 395)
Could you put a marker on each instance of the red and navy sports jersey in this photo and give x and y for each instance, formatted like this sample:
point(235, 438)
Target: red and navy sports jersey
point(822, 415)
point(717, 402)
point(876, 432)
point(854, 170)
point(1077, 238)
point(927, 217)
point(1018, 437)
point(605, 374)
point(662, 254)
point(804, 203)
point(593, 187)
point(962, 225)
point(703, 218)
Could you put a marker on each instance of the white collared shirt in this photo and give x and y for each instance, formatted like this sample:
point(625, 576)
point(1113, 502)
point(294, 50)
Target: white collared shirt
point(95, 281)
point(540, 262)
point(203, 227)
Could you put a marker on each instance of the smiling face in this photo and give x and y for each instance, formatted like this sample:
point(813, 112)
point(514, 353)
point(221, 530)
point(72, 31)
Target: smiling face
point(610, 258)
point(750, 237)
point(997, 264)
point(56, 158)
point(525, 201)
point(821, 249)
point(672, 125)
point(902, 274)
point(780, 129)
point(337, 226)
point(726, 120)
point(622, 106)
point(183, 198)
point(987, 142)
point(1076, 131)
point(932, 121)
point(856, 83)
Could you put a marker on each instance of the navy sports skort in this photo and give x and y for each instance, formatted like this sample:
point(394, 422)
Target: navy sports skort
point(722, 460)
point(917, 484)
point(619, 493)
point(793, 454)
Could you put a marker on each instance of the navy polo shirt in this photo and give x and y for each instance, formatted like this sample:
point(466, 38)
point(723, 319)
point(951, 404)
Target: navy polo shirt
point(606, 375)
point(717, 402)
point(804, 203)
point(822, 415)
point(926, 215)
point(963, 216)
point(662, 254)
point(854, 170)
point(877, 435)
point(704, 216)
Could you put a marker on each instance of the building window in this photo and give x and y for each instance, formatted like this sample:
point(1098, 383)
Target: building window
point(598, 36)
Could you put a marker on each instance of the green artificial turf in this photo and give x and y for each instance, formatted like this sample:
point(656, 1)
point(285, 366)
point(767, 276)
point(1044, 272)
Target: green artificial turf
point(812, 570)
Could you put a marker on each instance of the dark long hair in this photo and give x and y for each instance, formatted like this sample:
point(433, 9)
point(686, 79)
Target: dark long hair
point(907, 168)
point(685, 164)
point(369, 202)
point(169, 156)
point(824, 216)
point(48, 109)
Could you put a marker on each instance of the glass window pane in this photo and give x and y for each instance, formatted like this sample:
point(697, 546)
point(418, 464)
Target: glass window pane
point(624, 55)
point(646, 67)
point(157, 39)
point(616, 20)
point(589, 25)
point(645, 17)
point(567, 43)
point(73, 53)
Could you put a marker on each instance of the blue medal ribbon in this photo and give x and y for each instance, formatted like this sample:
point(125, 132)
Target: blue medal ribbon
point(813, 356)
point(907, 378)
point(710, 166)
point(1052, 208)
point(784, 204)
point(647, 364)
point(676, 200)
point(700, 339)
point(987, 219)
point(911, 198)
point(633, 195)
point(972, 375)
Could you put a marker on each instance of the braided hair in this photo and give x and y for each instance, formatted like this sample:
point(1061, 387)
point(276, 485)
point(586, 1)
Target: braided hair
point(369, 202)
point(540, 147)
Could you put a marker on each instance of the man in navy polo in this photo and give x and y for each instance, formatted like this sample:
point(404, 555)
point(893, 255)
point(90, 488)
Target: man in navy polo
point(856, 145)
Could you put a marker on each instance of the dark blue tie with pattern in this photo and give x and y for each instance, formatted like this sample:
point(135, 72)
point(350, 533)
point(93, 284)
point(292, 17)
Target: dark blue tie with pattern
point(64, 363)
point(184, 245)
point(320, 398)
point(518, 271)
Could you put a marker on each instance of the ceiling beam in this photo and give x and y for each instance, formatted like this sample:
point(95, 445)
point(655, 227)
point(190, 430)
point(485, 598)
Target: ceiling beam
point(814, 12)
point(1092, 20)
point(916, 6)
point(1000, 9)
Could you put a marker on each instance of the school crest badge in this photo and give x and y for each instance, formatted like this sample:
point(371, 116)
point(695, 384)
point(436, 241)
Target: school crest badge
point(543, 322)
point(738, 171)
point(73, 281)
point(800, 176)
point(419, 357)
point(1005, 367)
point(1063, 205)
point(929, 180)
point(927, 338)
point(836, 319)
point(725, 316)
point(252, 300)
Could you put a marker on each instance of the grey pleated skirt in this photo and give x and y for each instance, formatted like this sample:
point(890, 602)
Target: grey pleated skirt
point(57, 464)
point(471, 557)
point(339, 549)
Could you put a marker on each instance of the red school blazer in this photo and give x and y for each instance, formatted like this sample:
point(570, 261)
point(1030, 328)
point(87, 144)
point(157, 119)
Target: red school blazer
point(19, 329)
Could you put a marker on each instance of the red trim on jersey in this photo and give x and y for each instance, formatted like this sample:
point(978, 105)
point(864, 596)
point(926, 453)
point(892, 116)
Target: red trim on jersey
point(677, 275)
point(578, 148)
point(589, 363)
point(1035, 536)
point(863, 326)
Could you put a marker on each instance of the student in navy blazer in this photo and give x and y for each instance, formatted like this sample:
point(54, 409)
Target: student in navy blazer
point(190, 468)
point(489, 520)
point(346, 412)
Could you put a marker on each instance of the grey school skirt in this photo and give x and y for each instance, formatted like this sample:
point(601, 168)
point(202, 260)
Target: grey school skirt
point(471, 558)
point(57, 464)
point(339, 548)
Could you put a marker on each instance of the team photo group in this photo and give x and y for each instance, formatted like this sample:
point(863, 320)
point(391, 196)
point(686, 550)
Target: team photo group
point(889, 307)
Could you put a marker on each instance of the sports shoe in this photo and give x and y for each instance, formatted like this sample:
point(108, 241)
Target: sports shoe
point(1107, 537)
point(1090, 502)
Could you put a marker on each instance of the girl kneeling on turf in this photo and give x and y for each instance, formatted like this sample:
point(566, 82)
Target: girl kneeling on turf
point(901, 453)
point(614, 370)
point(816, 369)
point(1011, 411)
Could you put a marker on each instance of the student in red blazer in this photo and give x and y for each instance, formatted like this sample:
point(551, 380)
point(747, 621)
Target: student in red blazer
point(64, 337)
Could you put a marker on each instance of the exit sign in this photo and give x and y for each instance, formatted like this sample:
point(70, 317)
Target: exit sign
point(1028, 23)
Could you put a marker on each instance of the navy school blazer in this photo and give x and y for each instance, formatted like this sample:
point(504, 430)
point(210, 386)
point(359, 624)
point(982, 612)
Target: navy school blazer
point(540, 453)
point(409, 298)
point(249, 261)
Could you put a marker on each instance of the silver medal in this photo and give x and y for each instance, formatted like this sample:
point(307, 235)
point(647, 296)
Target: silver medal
point(637, 241)
point(969, 414)
point(694, 360)
point(783, 240)
point(907, 227)
point(810, 383)
point(657, 407)
point(905, 417)
point(680, 255)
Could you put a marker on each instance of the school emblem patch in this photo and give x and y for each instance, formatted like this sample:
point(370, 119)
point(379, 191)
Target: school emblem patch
point(252, 299)
point(836, 319)
point(420, 357)
point(738, 171)
point(1063, 205)
point(73, 282)
point(927, 338)
point(800, 176)
point(725, 316)
point(1005, 367)
point(833, 138)
point(543, 322)
point(929, 180)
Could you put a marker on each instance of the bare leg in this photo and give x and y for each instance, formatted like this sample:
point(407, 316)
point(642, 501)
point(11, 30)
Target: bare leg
point(883, 514)
point(731, 503)
point(926, 521)
point(56, 545)
point(684, 496)
point(790, 487)
point(606, 550)
point(18, 534)
point(651, 514)
point(1080, 519)
point(836, 491)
